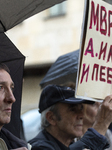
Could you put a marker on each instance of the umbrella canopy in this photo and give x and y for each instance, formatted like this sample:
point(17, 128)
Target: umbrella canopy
point(63, 70)
point(13, 12)
point(12, 57)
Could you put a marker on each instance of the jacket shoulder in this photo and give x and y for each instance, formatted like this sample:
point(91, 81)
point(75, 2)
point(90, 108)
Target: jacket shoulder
point(43, 141)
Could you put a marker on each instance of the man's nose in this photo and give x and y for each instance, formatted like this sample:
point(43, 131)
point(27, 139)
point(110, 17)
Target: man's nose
point(80, 114)
point(9, 96)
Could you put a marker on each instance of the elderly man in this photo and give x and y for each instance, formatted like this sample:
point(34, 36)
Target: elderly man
point(7, 140)
point(62, 121)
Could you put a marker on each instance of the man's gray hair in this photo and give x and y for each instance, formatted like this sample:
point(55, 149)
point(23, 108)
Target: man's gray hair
point(44, 121)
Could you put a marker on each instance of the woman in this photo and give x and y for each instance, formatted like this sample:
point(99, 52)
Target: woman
point(90, 112)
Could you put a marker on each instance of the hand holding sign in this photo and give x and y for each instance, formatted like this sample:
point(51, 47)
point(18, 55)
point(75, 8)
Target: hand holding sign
point(104, 116)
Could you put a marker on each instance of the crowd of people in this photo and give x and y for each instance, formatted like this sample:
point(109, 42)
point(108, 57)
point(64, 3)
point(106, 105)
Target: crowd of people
point(64, 118)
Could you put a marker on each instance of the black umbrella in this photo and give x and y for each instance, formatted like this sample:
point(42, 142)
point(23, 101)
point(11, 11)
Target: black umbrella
point(63, 70)
point(12, 57)
point(13, 12)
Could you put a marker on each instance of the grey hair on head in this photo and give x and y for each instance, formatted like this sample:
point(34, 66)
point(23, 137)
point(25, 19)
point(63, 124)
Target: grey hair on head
point(44, 121)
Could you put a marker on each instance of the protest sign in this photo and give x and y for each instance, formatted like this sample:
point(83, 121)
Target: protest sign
point(94, 78)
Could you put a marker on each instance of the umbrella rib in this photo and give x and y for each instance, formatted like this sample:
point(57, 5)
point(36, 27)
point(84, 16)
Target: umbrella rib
point(3, 26)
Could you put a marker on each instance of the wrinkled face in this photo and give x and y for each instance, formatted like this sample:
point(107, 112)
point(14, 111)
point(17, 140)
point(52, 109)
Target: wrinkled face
point(71, 119)
point(6, 97)
point(90, 112)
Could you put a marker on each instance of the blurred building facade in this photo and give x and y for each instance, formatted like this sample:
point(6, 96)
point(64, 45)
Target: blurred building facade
point(42, 39)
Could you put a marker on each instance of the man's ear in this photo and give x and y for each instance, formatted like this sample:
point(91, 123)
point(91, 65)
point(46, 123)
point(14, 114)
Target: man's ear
point(51, 118)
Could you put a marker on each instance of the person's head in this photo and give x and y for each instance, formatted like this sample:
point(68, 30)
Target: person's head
point(6, 95)
point(61, 111)
point(90, 112)
point(70, 84)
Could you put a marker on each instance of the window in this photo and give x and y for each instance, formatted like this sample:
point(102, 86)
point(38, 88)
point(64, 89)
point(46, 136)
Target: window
point(108, 1)
point(57, 10)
